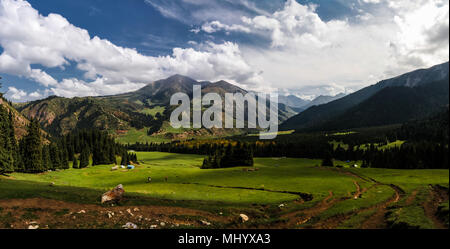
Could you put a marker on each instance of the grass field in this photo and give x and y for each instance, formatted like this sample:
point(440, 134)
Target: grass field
point(277, 181)
point(186, 181)
point(134, 135)
point(390, 145)
point(280, 133)
point(153, 111)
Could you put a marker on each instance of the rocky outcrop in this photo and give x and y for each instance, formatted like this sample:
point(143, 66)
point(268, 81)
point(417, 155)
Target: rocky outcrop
point(113, 196)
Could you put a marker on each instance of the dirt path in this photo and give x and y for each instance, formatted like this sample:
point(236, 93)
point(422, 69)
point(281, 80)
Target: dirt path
point(335, 221)
point(436, 197)
point(20, 213)
point(375, 221)
point(303, 216)
point(378, 221)
point(357, 194)
point(411, 197)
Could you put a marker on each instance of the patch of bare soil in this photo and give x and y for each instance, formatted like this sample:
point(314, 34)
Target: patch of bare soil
point(303, 216)
point(378, 221)
point(335, 221)
point(358, 190)
point(375, 221)
point(411, 197)
point(21, 213)
point(437, 196)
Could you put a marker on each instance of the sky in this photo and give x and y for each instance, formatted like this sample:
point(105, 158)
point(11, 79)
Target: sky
point(307, 48)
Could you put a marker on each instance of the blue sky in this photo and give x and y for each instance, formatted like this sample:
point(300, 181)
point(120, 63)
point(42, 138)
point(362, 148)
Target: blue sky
point(302, 47)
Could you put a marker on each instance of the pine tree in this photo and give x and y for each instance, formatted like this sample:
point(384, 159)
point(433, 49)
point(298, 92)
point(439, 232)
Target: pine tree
point(32, 149)
point(46, 161)
point(55, 156)
point(84, 158)
point(75, 163)
point(328, 160)
point(6, 145)
point(125, 158)
point(64, 158)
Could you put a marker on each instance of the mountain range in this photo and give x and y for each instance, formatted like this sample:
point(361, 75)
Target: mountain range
point(300, 104)
point(120, 113)
point(413, 95)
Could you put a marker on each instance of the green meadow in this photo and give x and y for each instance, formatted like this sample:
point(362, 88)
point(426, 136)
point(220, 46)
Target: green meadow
point(186, 181)
point(176, 179)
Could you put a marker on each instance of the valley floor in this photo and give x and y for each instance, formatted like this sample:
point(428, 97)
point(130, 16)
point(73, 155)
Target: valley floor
point(281, 193)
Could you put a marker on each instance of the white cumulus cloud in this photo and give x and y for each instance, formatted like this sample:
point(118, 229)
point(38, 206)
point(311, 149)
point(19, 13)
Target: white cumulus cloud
point(393, 38)
point(29, 38)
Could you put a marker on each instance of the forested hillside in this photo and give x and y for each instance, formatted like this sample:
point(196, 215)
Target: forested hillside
point(369, 106)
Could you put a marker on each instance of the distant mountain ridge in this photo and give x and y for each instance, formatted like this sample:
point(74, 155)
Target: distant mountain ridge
point(300, 104)
point(317, 117)
point(122, 112)
point(293, 101)
point(321, 100)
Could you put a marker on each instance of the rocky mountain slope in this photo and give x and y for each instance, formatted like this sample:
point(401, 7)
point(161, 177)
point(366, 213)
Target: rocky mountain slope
point(120, 113)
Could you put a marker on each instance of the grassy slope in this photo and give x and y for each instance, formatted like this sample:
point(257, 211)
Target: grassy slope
point(408, 180)
point(188, 182)
point(189, 186)
point(134, 135)
point(153, 111)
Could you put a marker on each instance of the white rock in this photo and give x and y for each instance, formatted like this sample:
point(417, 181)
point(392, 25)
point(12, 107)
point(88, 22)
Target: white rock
point(130, 225)
point(33, 226)
point(206, 223)
point(129, 212)
point(244, 218)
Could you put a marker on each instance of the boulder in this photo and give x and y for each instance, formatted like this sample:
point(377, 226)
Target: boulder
point(206, 223)
point(33, 227)
point(130, 225)
point(244, 218)
point(114, 195)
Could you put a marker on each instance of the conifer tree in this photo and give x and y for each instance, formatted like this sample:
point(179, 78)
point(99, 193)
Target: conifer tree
point(55, 156)
point(84, 158)
point(64, 158)
point(32, 149)
point(328, 160)
point(75, 163)
point(125, 161)
point(6, 145)
point(46, 161)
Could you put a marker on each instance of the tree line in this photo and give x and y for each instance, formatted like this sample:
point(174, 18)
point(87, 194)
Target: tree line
point(229, 156)
point(426, 146)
